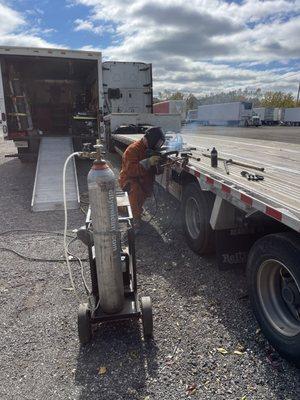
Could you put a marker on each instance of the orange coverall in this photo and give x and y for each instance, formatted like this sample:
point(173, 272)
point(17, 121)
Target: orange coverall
point(133, 173)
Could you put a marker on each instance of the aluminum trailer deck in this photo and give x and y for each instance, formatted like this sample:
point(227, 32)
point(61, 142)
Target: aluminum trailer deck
point(278, 196)
point(245, 222)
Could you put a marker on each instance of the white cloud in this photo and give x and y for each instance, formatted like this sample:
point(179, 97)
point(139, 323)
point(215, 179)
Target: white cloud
point(198, 46)
point(16, 31)
point(10, 20)
point(81, 25)
point(88, 25)
point(195, 45)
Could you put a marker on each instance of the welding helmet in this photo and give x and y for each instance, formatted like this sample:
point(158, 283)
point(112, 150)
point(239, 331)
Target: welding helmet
point(155, 137)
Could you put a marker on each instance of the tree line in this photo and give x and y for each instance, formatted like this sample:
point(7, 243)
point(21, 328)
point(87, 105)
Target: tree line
point(257, 97)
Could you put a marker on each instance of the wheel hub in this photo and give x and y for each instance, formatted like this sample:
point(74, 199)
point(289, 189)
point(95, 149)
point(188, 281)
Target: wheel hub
point(288, 295)
point(280, 297)
point(291, 295)
point(193, 218)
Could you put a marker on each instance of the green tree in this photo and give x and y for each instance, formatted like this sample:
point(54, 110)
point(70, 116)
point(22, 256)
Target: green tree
point(176, 96)
point(278, 99)
point(191, 102)
point(168, 95)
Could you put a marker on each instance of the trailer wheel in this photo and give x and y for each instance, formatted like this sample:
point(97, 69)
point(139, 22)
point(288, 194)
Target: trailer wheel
point(84, 324)
point(273, 275)
point(147, 317)
point(196, 211)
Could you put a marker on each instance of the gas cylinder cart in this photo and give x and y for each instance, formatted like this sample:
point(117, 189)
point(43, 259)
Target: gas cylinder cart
point(92, 313)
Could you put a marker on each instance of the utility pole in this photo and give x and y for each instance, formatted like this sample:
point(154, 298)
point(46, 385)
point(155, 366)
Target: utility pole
point(297, 101)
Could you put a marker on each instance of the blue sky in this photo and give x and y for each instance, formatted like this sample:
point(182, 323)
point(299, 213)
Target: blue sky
point(59, 16)
point(197, 46)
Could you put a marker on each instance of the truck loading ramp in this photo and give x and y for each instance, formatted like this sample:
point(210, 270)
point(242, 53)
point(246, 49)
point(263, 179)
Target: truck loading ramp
point(48, 186)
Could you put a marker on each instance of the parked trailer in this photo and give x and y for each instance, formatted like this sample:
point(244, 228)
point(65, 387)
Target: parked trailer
point(278, 115)
point(253, 222)
point(292, 116)
point(127, 87)
point(266, 114)
point(192, 116)
point(227, 114)
point(171, 107)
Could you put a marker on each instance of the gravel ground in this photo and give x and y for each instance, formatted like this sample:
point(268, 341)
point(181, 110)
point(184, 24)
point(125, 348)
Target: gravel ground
point(197, 310)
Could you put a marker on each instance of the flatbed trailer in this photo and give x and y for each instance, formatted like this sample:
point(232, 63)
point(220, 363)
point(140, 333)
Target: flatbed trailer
point(245, 221)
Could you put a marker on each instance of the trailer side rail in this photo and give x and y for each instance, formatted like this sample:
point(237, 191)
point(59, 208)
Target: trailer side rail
point(245, 201)
point(233, 192)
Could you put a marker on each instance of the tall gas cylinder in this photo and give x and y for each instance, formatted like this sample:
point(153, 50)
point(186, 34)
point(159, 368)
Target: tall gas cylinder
point(103, 202)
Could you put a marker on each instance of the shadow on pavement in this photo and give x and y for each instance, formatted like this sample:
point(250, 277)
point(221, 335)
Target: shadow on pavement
point(205, 292)
point(125, 359)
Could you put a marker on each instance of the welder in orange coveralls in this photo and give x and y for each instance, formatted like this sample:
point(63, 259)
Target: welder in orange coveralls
point(139, 169)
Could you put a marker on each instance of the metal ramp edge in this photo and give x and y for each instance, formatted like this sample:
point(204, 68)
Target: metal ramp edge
point(47, 191)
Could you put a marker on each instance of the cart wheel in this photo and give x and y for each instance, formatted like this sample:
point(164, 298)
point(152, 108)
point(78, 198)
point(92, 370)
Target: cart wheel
point(147, 317)
point(84, 324)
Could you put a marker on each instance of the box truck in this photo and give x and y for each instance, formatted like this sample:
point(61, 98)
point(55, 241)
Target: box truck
point(54, 92)
point(54, 100)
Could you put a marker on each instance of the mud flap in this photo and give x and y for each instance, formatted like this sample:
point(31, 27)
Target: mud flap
point(233, 246)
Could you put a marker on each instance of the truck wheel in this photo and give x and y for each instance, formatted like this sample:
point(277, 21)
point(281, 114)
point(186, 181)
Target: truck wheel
point(84, 324)
point(273, 276)
point(147, 317)
point(196, 211)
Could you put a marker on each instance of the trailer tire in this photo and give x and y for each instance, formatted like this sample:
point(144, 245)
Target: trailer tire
point(196, 211)
point(84, 324)
point(273, 277)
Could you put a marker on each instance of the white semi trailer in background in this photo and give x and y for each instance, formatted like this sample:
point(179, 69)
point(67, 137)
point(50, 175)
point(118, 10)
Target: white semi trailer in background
point(227, 114)
point(292, 116)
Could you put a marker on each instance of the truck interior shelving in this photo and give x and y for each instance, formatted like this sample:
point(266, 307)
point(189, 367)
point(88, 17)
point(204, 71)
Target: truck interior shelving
point(55, 89)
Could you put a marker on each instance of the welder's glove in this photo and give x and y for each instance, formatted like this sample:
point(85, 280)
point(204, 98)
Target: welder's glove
point(147, 163)
point(154, 160)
